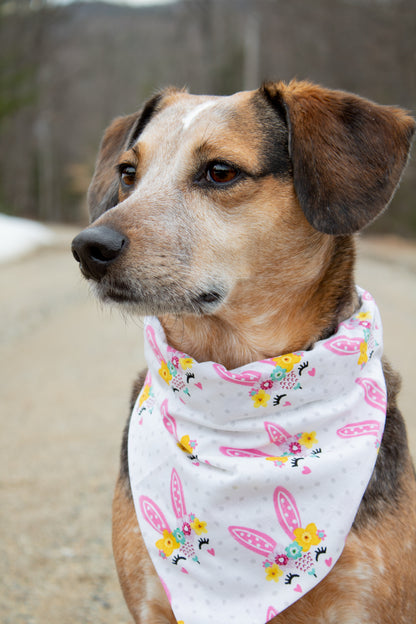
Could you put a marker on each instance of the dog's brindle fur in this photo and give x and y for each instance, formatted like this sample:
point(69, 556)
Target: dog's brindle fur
point(259, 266)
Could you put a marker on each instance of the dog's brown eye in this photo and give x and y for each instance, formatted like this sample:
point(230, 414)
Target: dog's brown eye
point(221, 173)
point(128, 175)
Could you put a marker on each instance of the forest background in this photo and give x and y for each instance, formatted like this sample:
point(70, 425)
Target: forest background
point(67, 70)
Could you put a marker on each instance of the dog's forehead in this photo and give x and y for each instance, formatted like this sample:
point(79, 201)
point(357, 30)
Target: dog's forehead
point(184, 115)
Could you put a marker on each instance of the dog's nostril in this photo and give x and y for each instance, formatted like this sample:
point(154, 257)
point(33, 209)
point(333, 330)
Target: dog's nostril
point(95, 248)
point(76, 256)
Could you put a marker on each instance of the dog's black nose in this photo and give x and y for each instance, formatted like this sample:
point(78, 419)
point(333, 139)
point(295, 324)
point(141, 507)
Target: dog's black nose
point(97, 247)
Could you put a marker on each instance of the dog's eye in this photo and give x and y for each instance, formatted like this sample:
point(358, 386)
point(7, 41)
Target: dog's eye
point(127, 175)
point(221, 173)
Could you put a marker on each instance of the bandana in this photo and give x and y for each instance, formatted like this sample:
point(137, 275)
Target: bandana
point(246, 482)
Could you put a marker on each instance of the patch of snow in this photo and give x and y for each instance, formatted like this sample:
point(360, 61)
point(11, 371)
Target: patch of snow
point(19, 237)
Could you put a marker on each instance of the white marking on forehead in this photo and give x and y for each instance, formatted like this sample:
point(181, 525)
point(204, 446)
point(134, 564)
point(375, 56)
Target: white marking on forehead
point(193, 114)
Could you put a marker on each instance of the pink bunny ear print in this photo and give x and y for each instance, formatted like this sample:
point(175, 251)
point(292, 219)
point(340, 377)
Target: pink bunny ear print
point(277, 434)
point(176, 492)
point(342, 345)
point(246, 378)
point(152, 513)
point(286, 511)
point(365, 427)
point(236, 452)
point(271, 613)
point(256, 541)
point(151, 337)
point(168, 420)
point(373, 394)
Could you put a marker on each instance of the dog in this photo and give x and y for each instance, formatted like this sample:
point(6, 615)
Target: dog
point(232, 220)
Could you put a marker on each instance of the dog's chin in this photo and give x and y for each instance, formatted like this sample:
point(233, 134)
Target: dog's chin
point(139, 302)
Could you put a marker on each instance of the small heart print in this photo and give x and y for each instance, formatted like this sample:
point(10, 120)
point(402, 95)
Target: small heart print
point(306, 470)
point(298, 588)
point(199, 385)
point(184, 570)
point(312, 372)
point(328, 562)
point(211, 551)
point(287, 403)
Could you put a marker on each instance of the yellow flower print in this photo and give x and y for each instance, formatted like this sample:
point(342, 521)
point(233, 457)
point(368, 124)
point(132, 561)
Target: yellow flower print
point(186, 363)
point(273, 573)
point(363, 353)
point(199, 526)
point(167, 543)
point(307, 537)
point(261, 398)
point(164, 372)
point(185, 444)
point(287, 361)
point(282, 460)
point(144, 395)
point(308, 439)
point(364, 316)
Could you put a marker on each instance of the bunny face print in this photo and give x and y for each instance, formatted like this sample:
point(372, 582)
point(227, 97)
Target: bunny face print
point(187, 539)
point(292, 559)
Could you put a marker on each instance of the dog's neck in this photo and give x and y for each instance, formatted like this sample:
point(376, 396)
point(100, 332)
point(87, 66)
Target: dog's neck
point(262, 321)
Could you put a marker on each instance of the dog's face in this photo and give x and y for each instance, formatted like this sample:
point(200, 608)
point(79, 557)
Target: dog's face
point(205, 200)
point(202, 203)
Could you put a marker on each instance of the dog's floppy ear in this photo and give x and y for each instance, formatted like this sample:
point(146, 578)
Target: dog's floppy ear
point(347, 153)
point(122, 133)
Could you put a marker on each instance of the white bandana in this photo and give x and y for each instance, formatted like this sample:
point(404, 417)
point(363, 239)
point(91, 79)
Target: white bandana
point(246, 482)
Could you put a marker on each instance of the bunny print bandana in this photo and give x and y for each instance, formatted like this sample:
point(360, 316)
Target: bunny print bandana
point(246, 482)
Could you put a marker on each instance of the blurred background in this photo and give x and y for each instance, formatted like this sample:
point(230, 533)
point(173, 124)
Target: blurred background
point(66, 364)
point(67, 68)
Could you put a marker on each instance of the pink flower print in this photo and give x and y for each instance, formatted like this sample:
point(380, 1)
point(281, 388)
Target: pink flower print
point(281, 560)
point(295, 448)
point(175, 361)
point(186, 528)
point(266, 385)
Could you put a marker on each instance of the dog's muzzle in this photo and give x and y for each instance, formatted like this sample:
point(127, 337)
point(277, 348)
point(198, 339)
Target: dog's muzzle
point(96, 248)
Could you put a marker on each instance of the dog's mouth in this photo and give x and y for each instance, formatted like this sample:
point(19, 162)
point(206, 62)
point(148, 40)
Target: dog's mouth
point(168, 299)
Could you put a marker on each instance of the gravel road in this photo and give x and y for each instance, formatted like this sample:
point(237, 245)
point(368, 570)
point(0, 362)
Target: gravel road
point(66, 371)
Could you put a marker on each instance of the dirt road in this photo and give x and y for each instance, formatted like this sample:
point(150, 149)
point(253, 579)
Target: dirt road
point(66, 369)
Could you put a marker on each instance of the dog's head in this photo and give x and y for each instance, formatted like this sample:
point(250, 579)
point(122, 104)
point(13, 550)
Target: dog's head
point(199, 203)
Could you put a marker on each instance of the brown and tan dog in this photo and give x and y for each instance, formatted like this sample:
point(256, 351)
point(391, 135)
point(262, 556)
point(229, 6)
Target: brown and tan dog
point(194, 203)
